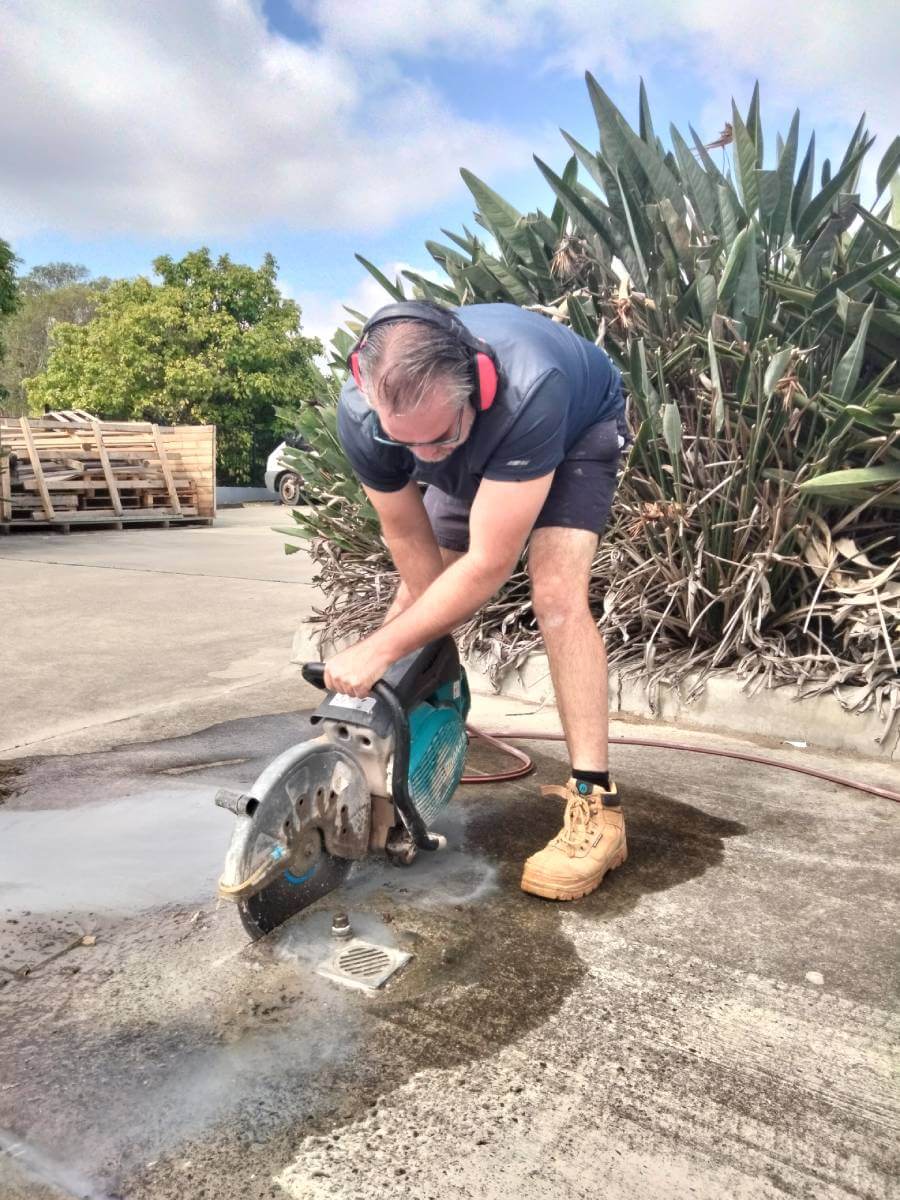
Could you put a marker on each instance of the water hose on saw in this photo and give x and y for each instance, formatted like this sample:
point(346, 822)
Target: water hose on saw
point(500, 738)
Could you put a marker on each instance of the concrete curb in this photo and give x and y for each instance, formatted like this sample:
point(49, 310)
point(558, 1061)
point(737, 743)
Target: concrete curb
point(776, 715)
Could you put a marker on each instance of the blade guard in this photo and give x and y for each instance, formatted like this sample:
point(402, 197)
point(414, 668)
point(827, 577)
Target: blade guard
point(315, 785)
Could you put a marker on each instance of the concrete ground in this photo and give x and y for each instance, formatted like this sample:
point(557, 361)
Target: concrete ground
point(719, 1019)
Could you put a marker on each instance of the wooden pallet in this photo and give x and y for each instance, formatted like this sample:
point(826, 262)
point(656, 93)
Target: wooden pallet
point(82, 471)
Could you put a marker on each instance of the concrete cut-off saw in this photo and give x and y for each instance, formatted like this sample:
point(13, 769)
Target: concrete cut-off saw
point(379, 771)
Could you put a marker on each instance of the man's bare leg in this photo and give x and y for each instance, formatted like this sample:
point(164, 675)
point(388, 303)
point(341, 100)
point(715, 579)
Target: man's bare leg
point(592, 839)
point(559, 563)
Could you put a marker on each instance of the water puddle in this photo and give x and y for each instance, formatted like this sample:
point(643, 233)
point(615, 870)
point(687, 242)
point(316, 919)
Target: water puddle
point(149, 849)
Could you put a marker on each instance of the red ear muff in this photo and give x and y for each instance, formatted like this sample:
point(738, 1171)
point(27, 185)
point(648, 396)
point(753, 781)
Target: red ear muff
point(353, 358)
point(486, 381)
point(353, 363)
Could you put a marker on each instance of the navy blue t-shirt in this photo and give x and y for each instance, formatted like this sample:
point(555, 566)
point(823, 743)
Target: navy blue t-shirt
point(554, 385)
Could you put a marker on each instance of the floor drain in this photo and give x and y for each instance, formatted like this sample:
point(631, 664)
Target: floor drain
point(363, 964)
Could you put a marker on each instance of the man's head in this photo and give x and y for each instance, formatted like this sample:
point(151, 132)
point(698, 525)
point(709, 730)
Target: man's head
point(418, 378)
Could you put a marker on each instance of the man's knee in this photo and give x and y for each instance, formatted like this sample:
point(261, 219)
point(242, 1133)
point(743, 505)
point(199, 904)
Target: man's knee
point(557, 599)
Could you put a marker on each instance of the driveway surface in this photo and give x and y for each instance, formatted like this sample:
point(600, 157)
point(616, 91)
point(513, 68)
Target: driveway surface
point(719, 1019)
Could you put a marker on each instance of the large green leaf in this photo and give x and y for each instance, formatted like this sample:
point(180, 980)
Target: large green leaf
point(768, 187)
point(646, 121)
point(820, 205)
point(612, 126)
point(882, 231)
point(729, 222)
point(672, 428)
point(579, 320)
point(846, 373)
point(754, 124)
point(746, 294)
point(569, 175)
point(660, 181)
point(640, 380)
point(716, 378)
point(502, 219)
point(780, 223)
point(856, 483)
point(728, 281)
point(707, 295)
point(802, 193)
point(819, 254)
point(745, 162)
point(678, 232)
point(778, 364)
point(889, 165)
point(854, 279)
point(631, 217)
point(589, 161)
point(700, 187)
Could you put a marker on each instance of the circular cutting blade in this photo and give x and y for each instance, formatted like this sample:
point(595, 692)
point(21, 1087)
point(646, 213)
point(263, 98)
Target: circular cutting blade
point(292, 892)
point(306, 820)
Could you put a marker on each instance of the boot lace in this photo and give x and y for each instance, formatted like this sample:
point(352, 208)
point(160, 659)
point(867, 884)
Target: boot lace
point(579, 815)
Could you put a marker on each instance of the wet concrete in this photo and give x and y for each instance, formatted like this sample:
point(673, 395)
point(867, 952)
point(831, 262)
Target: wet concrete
point(8, 775)
point(170, 1058)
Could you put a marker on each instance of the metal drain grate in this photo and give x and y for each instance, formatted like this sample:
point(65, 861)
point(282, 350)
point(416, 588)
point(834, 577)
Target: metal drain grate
point(362, 964)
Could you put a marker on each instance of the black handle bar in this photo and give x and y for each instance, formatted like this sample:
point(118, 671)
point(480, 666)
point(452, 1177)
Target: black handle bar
point(314, 673)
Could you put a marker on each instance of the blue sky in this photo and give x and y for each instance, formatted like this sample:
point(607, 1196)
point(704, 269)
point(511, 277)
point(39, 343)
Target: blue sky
point(316, 128)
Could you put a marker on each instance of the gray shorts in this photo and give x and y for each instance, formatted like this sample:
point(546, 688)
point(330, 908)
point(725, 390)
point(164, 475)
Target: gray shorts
point(580, 496)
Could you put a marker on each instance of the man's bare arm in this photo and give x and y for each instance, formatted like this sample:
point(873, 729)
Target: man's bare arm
point(501, 519)
point(410, 540)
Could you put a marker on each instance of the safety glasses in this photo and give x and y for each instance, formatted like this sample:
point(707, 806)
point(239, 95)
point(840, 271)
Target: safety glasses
point(380, 436)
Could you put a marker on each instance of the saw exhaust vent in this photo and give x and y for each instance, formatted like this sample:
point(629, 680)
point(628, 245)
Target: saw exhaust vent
point(362, 964)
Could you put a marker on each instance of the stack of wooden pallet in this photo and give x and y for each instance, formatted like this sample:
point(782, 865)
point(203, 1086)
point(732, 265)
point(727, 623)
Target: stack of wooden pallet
point(79, 470)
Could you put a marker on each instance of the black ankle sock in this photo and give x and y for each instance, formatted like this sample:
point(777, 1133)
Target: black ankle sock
point(599, 778)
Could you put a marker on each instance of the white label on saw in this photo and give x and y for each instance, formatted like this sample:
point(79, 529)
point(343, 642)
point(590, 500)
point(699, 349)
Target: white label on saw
point(339, 700)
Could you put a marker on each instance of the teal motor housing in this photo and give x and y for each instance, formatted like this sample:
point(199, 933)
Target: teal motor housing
point(437, 746)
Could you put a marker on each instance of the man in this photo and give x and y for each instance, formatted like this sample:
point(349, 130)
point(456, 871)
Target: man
point(516, 424)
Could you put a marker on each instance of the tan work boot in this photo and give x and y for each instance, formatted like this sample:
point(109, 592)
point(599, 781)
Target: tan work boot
point(591, 842)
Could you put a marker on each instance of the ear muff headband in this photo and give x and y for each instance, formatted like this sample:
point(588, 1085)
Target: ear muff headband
point(485, 377)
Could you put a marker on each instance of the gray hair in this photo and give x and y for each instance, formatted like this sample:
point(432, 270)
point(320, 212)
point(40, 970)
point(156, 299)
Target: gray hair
point(402, 361)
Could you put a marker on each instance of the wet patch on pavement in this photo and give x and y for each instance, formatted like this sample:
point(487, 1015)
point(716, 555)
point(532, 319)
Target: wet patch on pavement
point(9, 773)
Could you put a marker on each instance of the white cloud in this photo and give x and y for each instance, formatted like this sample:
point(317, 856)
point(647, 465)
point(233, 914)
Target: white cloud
point(178, 119)
point(185, 119)
point(838, 57)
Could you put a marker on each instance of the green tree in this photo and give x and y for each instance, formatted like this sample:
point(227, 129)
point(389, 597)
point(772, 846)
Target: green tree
point(213, 343)
point(50, 277)
point(9, 292)
point(49, 295)
point(8, 284)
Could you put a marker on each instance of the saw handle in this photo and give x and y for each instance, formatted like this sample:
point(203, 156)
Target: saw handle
point(314, 673)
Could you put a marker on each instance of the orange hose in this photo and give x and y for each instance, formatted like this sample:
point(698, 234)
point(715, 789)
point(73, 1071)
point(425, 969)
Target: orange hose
point(498, 739)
